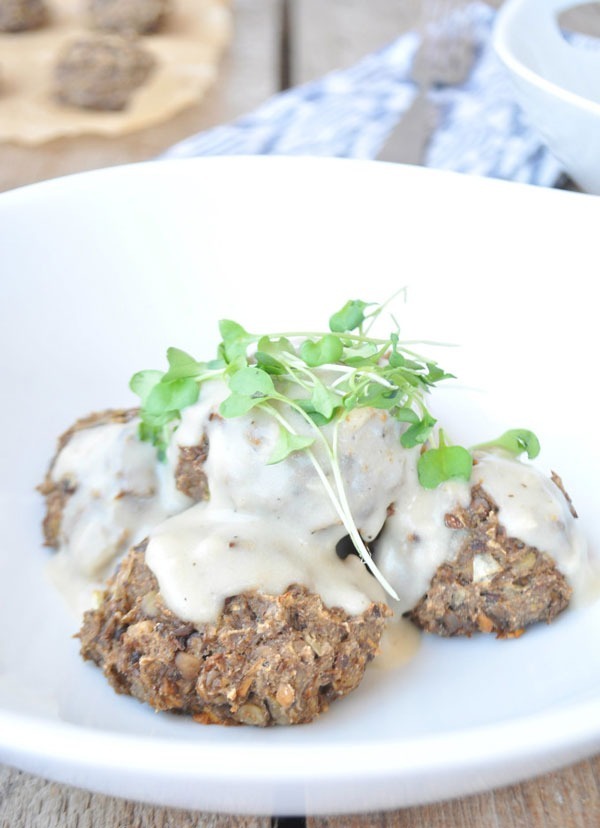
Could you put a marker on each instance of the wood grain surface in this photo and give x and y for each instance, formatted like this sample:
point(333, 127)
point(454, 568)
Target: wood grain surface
point(249, 74)
point(569, 799)
point(565, 799)
point(29, 802)
point(320, 35)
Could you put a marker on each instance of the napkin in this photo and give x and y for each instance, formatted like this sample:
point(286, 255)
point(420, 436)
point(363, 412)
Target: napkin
point(350, 113)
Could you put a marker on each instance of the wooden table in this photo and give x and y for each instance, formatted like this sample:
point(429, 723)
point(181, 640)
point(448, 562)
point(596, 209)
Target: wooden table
point(277, 44)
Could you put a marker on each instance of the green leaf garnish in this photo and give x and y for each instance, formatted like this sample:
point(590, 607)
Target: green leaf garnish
point(516, 441)
point(317, 417)
point(235, 340)
point(269, 363)
point(252, 382)
point(436, 374)
point(167, 397)
point(444, 463)
point(249, 387)
point(350, 317)
point(236, 405)
point(324, 401)
point(322, 351)
point(418, 433)
point(288, 443)
point(143, 382)
point(182, 365)
point(407, 415)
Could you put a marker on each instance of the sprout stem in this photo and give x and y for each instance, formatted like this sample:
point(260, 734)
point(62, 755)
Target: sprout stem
point(339, 500)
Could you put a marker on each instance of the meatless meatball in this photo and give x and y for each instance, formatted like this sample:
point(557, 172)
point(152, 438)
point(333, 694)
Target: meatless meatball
point(58, 491)
point(128, 16)
point(495, 584)
point(101, 72)
point(267, 660)
point(22, 15)
point(495, 554)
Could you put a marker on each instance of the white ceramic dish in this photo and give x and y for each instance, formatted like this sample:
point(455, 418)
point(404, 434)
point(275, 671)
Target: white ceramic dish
point(557, 83)
point(100, 272)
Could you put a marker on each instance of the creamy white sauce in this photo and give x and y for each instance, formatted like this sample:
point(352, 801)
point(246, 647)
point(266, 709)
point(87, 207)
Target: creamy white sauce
point(206, 554)
point(398, 644)
point(240, 478)
point(115, 503)
point(415, 540)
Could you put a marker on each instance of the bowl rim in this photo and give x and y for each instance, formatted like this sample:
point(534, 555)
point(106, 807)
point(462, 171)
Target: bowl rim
point(500, 41)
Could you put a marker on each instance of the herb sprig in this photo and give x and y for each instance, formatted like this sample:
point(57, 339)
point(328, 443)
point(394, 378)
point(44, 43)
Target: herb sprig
point(321, 377)
point(362, 371)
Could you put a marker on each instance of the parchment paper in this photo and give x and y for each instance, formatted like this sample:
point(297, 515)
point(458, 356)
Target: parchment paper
point(187, 53)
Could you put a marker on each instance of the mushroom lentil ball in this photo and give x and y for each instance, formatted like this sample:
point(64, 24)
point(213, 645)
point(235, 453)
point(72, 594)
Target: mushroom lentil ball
point(22, 15)
point(101, 72)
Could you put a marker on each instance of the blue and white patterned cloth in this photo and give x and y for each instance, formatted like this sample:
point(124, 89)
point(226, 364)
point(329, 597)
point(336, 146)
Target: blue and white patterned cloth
point(350, 113)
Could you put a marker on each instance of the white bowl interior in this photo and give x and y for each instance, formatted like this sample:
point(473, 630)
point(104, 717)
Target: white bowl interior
point(101, 272)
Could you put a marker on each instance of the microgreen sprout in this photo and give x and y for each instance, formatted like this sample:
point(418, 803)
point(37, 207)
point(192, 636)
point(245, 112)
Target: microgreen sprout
point(444, 463)
point(516, 441)
point(321, 377)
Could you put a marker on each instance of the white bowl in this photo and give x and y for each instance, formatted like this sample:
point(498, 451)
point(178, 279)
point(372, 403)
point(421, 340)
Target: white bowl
point(557, 83)
point(100, 272)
